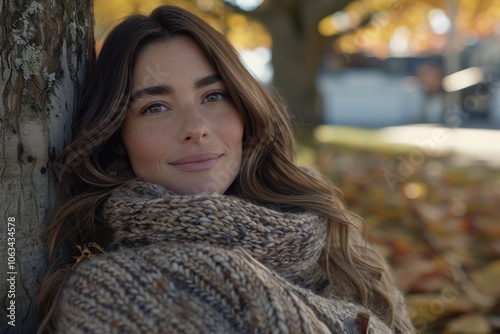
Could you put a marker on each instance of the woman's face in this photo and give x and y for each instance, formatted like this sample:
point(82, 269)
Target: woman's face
point(182, 130)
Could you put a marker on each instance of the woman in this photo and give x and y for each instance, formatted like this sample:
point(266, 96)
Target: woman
point(183, 210)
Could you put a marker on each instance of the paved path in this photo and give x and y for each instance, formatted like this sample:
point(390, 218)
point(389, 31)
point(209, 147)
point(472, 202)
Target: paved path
point(481, 145)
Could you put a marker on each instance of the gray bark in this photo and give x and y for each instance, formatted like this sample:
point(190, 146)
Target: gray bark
point(45, 48)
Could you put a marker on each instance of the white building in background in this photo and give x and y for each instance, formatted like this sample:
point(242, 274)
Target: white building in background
point(387, 94)
point(371, 98)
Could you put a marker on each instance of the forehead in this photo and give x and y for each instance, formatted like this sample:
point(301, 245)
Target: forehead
point(180, 57)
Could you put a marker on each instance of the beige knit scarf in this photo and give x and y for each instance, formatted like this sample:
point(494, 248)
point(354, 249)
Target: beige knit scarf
point(144, 213)
point(206, 263)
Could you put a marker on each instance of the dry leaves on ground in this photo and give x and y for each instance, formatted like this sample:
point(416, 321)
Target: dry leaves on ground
point(437, 223)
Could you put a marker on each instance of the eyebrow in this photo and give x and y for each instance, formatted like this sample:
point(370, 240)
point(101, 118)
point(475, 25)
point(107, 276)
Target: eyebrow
point(207, 81)
point(153, 90)
point(166, 89)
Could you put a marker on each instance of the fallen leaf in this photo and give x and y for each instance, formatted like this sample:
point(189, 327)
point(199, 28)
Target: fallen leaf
point(416, 273)
point(489, 227)
point(468, 324)
point(434, 306)
point(487, 280)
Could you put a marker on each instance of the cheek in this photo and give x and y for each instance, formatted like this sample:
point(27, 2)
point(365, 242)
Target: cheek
point(233, 127)
point(234, 137)
point(143, 145)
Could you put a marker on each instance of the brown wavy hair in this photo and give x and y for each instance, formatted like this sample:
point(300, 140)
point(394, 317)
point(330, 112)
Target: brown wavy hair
point(268, 172)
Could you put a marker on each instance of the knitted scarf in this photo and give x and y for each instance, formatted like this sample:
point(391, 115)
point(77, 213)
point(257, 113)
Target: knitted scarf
point(206, 263)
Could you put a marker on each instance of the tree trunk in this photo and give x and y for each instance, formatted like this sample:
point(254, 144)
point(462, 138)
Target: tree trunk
point(45, 49)
point(297, 50)
point(294, 68)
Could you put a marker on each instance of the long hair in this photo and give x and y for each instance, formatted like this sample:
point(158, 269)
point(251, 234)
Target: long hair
point(268, 172)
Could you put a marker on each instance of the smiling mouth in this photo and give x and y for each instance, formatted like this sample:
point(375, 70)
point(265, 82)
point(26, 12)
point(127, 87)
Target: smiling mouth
point(197, 163)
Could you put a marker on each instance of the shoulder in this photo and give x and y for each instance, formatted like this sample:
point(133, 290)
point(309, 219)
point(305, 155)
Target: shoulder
point(136, 290)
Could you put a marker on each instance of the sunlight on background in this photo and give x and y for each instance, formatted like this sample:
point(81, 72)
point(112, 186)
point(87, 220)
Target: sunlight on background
point(247, 5)
point(205, 5)
point(472, 144)
point(400, 27)
point(258, 61)
point(254, 43)
point(400, 41)
point(439, 21)
point(463, 79)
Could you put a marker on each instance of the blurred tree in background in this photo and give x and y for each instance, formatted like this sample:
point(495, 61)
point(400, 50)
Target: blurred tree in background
point(297, 49)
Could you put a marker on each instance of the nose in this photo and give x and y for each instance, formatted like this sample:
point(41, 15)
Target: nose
point(195, 127)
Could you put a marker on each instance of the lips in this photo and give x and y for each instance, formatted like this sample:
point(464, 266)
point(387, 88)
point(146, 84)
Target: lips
point(197, 162)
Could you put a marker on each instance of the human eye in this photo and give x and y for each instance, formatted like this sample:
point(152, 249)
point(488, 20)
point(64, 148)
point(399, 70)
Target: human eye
point(216, 96)
point(153, 108)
